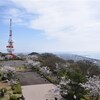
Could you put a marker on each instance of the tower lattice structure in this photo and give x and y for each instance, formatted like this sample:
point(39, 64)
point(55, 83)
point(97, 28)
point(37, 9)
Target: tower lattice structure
point(10, 47)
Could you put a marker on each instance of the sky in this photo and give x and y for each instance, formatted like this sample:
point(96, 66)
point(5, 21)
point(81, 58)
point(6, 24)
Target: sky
point(51, 25)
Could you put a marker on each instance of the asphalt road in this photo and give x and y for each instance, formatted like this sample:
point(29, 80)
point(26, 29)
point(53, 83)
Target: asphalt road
point(31, 78)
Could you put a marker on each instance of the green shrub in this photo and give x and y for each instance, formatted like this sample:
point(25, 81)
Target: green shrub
point(1, 93)
point(3, 78)
point(50, 79)
point(4, 90)
point(16, 89)
point(13, 97)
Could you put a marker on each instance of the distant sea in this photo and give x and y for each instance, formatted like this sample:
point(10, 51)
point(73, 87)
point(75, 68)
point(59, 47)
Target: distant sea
point(95, 55)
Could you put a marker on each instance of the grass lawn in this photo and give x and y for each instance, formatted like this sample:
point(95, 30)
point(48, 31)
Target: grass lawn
point(20, 68)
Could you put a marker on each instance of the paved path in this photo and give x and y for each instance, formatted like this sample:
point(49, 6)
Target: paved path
point(31, 78)
point(39, 92)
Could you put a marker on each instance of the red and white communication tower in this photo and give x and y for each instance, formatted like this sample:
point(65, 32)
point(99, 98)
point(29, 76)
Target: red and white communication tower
point(10, 47)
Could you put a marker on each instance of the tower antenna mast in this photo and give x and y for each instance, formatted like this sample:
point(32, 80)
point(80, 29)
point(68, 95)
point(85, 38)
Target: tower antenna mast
point(10, 47)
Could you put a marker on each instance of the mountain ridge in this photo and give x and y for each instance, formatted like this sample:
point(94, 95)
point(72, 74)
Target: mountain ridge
point(75, 57)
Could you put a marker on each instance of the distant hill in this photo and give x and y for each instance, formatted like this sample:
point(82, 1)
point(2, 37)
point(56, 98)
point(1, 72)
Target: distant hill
point(64, 56)
point(34, 53)
point(78, 58)
point(49, 57)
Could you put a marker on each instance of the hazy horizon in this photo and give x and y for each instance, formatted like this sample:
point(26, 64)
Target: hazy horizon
point(94, 55)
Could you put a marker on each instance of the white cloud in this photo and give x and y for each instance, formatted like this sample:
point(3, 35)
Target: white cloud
point(73, 22)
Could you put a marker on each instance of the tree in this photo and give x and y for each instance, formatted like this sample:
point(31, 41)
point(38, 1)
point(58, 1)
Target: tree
point(73, 87)
point(93, 84)
point(88, 67)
